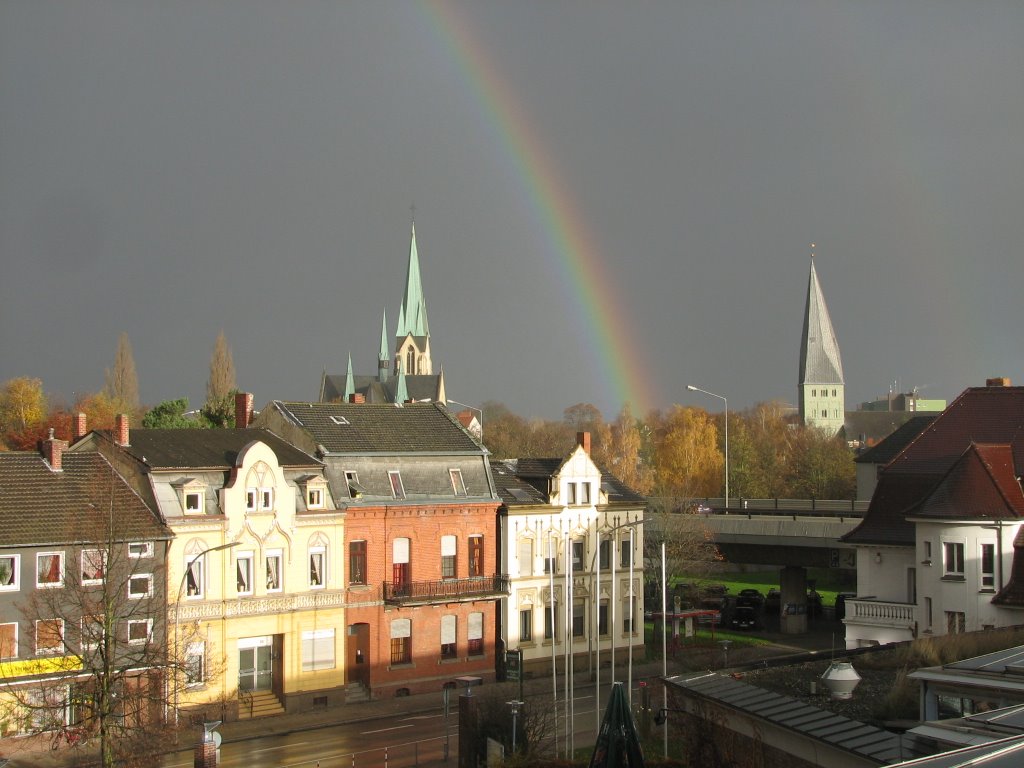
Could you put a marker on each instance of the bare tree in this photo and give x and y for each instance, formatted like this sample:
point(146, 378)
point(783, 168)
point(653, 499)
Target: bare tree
point(220, 387)
point(122, 385)
point(102, 628)
point(689, 543)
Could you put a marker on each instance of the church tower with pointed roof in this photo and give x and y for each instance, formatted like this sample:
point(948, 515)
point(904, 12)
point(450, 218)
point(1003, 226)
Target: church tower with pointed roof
point(822, 387)
point(412, 342)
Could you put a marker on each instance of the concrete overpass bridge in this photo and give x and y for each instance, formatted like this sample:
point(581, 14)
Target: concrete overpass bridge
point(791, 534)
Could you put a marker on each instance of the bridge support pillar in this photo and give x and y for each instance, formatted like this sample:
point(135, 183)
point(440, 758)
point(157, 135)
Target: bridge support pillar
point(793, 585)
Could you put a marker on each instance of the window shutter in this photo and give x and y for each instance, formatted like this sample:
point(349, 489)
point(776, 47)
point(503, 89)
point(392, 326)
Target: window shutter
point(448, 624)
point(448, 546)
point(476, 626)
point(401, 628)
point(400, 551)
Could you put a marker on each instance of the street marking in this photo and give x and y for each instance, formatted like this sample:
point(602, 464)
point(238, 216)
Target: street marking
point(420, 717)
point(385, 730)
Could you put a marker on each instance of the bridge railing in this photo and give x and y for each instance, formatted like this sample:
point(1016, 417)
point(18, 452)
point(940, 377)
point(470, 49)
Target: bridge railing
point(790, 507)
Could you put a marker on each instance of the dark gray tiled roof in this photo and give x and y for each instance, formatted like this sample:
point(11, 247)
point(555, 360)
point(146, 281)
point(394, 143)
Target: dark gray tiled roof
point(212, 448)
point(529, 478)
point(886, 451)
point(417, 386)
point(365, 428)
point(39, 506)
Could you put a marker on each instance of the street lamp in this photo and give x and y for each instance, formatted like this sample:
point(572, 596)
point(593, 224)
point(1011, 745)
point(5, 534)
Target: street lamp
point(515, 704)
point(177, 608)
point(724, 400)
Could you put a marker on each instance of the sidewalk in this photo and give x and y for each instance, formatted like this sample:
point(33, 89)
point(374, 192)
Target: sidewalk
point(820, 638)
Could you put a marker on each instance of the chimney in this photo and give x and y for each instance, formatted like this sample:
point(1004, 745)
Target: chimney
point(121, 429)
point(243, 409)
point(80, 427)
point(53, 451)
point(357, 397)
point(999, 381)
point(583, 440)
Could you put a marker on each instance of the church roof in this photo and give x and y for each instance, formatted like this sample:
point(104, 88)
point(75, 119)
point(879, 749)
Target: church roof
point(820, 362)
point(412, 318)
point(419, 387)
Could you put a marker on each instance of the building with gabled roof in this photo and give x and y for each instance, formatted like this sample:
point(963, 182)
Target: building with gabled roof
point(422, 573)
point(937, 549)
point(412, 376)
point(255, 598)
point(572, 536)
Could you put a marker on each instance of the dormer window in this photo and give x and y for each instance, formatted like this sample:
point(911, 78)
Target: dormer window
point(458, 486)
point(315, 492)
point(192, 495)
point(352, 482)
point(570, 494)
point(584, 493)
point(397, 487)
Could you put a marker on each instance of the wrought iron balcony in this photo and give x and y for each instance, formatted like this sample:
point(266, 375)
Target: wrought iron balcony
point(445, 590)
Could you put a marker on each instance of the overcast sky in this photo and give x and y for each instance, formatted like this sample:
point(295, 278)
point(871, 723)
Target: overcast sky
point(612, 200)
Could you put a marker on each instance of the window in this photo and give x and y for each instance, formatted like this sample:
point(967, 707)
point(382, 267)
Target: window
point(9, 641)
point(833, 393)
point(317, 649)
point(526, 625)
point(273, 568)
point(317, 558)
point(193, 502)
point(357, 562)
point(92, 632)
point(266, 498)
point(953, 559)
point(570, 493)
point(927, 552)
point(401, 641)
point(10, 568)
point(93, 566)
point(928, 611)
point(627, 616)
point(626, 553)
point(551, 564)
point(449, 546)
point(578, 554)
point(814, 393)
point(400, 568)
point(584, 493)
point(140, 585)
point(315, 498)
point(458, 486)
point(50, 569)
point(352, 481)
point(578, 619)
point(194, 583)
point(140, 549)
point(476, 556)
point(195, 664)
point(956, 622)
point(476, 634)
point(550, 621)
point(139, 631)
point(243, 573)
point(526, 557)
point(49, 635)
point(449, 646)
point(397, 489)
point(602, 619)
point(605, 554)
point(988, 566)
point(250, 499)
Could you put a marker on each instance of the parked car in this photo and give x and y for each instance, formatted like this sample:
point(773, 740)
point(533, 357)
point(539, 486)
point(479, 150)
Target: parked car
point(745, 617)
point(713, 596)
point(813, 604)
point(750, 597)
point(773, 602)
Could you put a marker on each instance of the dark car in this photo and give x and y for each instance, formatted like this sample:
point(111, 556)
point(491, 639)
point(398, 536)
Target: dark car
point(750, 597)
point(773, 602)
point(745, 617)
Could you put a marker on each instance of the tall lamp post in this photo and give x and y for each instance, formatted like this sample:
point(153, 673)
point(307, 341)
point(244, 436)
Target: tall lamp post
point(177, 607)
point(724, 400)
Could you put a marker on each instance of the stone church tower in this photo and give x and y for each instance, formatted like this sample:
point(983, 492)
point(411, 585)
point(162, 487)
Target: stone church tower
point(412, 343)
point(822, 388)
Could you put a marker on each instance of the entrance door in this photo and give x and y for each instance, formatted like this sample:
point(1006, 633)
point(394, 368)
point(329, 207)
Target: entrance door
point(359, 654)
point(255, 671)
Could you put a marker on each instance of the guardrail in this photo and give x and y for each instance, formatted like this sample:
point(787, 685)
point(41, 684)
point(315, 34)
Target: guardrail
point(445, 589)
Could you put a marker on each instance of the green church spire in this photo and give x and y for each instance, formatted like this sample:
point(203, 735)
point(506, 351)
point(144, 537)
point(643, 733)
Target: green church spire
point(412, 318)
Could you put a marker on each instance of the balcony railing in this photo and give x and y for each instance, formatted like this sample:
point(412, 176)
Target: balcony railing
point(445, 590)
point(880, 612)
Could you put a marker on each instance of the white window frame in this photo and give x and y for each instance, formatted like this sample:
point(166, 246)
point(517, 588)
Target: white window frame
point(103, 566)
point(141, 549)
point(198, 563)
point(50, 584)
point(252, 495)
point(315, 498)
point(322, 552)
point(17, 630)
point(248, 560)
point(149, 631)
point(986, 579)
point(149, 586)
point(50, 649)
point(200, 497)
point(274, 554)
point(15, 584)
point(458, 484)
point(397, 486)
point(570, 494)
point(954, 569)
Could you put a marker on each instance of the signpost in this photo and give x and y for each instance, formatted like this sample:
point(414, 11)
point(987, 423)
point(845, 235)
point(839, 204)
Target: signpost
point(514, 669)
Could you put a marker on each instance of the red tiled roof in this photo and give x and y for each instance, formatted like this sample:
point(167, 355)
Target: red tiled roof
point(981, 485)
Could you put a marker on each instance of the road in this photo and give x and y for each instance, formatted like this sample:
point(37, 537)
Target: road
point(395, 742)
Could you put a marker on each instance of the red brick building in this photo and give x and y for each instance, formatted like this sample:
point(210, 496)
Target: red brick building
point(421, 537)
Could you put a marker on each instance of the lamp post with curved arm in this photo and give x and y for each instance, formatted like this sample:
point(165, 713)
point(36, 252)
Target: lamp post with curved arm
point(724, 400)
point(177, 607)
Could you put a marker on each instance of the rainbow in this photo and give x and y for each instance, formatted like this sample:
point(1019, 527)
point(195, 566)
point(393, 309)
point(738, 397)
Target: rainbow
point(576, 257)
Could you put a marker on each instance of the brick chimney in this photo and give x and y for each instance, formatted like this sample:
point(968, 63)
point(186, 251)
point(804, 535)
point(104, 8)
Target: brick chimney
point(205, 754)
point(999, 381)
point(357, 397)
point(80, 426)
point(53, 451)
point(583, 440)
point(243, 409)
point(121, 429)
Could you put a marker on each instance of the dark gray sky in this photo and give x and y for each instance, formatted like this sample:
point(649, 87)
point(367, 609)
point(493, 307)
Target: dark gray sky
point(612, 199)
